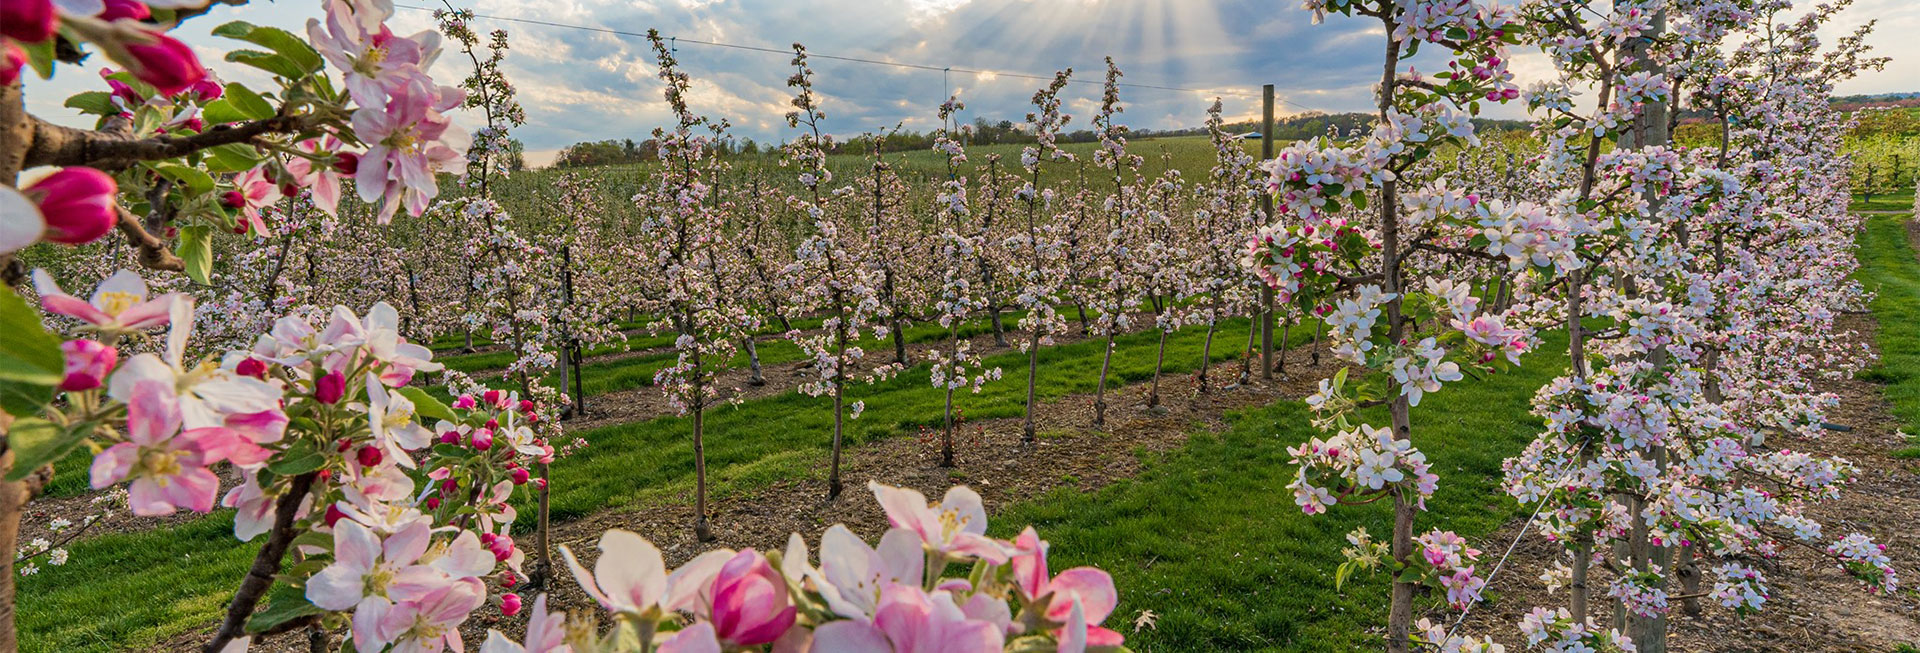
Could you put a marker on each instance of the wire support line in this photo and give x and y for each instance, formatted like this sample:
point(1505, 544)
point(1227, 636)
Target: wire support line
point(876, 62)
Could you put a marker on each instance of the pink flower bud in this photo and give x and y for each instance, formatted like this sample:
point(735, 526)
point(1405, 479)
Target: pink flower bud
point(493, 424)
point(166, 63)
point(520, 476)
point(464, 402)
point(88, 362)
point(348, 163)
point(433, 503)
point(253, 367)
point(77, 202)
point(28, 21)
point(509, 580)
point(540, 483)
point(483, 440)
point(449, 486)
point(492, 397)
point(510, 604)
point(330, 388)
point(233, 199)
point(450, 437)
point(333, 514)
point(369, 456)
point(526, 406)
point(208, 89)
point(118, 9)
point(12, 59)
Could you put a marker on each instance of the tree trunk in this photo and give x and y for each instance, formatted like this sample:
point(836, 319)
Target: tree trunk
point(1100, 393)
point(946, 434)
point(701, 530)
point(1206, 356)
point(1159, 361)
point(755, 378)
point(266, 564)
point(839, 402)
point(1033, 369)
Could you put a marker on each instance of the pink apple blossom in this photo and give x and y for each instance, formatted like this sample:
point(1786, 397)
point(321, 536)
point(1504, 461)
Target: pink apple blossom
point(168, 466)
point(956, 528)
point(118, 305)
point(87, 364)
point(409, 139)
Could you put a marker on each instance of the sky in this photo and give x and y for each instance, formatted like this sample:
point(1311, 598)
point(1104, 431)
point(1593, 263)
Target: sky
point(579, 85)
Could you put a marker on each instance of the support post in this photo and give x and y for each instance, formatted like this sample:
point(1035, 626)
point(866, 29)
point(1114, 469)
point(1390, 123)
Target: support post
point(1266, 213)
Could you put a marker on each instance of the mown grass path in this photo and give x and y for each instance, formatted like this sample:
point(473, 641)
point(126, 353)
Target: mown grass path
point(181, 574)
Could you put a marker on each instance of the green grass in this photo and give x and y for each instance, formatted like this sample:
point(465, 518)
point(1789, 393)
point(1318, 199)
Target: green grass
point(1895, 202)
point(181, 574)
point(1208, 538)
point(1890, 271)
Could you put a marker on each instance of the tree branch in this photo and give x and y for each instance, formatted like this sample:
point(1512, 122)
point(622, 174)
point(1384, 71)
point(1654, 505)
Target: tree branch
point(58, 145)
point(153, 253)
point(265, 565)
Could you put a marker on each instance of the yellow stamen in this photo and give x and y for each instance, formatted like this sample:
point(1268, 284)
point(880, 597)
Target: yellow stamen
point(115, 302)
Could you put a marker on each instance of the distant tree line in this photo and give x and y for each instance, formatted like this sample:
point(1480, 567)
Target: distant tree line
point(982, 131)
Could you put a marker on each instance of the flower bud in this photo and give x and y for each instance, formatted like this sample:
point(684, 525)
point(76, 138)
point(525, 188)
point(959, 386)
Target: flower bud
point(509, 579)
point(346, 163)
point(208, 89)
point(509, 604)
point(77, 203)
point(88, 363)
point(233, 199)
point(540, 483)
point(433, 503)
point(330, 388)
point(369, 456)
point(450, 437)
point(526, 405)
point(253, 367)
point(166, 63)
point(493, 424)
point(118, 9)
point(28, 21)
point(483, 440)
point(333, 514)
point(12, 59)
point(520, 476)
point(449, 486)
point(464, 402)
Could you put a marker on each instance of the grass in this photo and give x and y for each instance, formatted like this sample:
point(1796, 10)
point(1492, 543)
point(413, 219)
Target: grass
point(1890, 270)
point(1208, 538)
point(1902, 201)
point(181, 574)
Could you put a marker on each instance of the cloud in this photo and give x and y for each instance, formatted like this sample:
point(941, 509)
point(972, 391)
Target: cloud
point(589, 85)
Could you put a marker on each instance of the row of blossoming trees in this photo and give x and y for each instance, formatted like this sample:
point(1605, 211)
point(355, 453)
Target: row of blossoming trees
point(1698, 289)
point(382, 509)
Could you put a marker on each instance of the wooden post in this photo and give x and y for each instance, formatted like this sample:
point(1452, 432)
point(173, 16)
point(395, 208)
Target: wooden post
point(1266, 212)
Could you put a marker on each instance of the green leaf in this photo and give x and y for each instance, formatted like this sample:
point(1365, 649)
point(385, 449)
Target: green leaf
point(196, 251)
point(196, 181)
point(40, 56)
point(278, 40)
point(284, 603)
point(249, 103)
point(37, 443)
point(425, 405)
point(232, 157)
point(30, 360)
point(267, 61)
point(99, 103)
point(220, 112)
point(314, 539)
point(298, 460)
